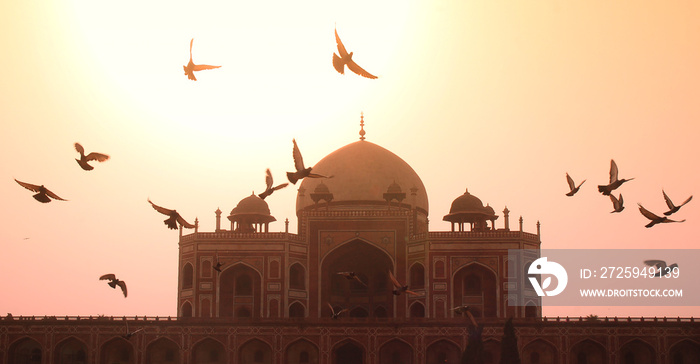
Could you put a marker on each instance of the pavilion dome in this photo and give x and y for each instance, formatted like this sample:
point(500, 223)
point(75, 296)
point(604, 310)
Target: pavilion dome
point(362, 171)
point(467, 203)
point(252, 208)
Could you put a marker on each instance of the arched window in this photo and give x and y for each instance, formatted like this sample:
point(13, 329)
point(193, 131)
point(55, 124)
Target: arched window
point(417, 277)
point(296, 309)
point(205, 307)
point(417, 310)
point(297, 279)
point(244, 285)
point(440, 269)
point(187, 276)
point(358, 312)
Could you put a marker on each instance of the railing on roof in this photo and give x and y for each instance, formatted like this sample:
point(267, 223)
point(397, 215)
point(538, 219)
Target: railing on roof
point(488, 234)
point(228, 235)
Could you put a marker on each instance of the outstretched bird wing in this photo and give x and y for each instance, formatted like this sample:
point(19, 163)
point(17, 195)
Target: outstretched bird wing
point(202, 67)
point(53, 195)
point(162, 210)
point(669, 203)
point(268, 178)
point(394, 280)
point(296, 154)
point(184, 223)
point(79, 148)
point(613, 171)
point(122, 285)
point(341, 47)
point(359, 70)
point(572, 185)
point(29, 186)
point(108, 276)
point(648, 214)
point(96, 157)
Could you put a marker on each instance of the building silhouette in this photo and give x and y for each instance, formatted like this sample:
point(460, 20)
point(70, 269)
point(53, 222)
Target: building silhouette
point(270, 301)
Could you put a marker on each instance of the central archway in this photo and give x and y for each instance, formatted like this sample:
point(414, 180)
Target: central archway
point(239, 291)
point(371, 264)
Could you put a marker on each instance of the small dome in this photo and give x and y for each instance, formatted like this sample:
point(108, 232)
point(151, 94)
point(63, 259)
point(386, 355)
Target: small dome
point(394, 188)
point(466, 203)
point(321, 188)
point(253, 209)
point(489, 210)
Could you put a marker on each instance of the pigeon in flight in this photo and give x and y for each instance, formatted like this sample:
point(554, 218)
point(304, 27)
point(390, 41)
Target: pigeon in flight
point(129, 334)
point(173, 218)
point(43, 192)
point(572, 185)
point(269, 189)
point(191, 67)
point(614, 182)
point(334, 314)
point(661, 266)
point(617, 203)
point(299, 165)
point(398, 287)
point(218, 265)
point(114, 282)
point(673, 208)
point(461, 310)
point(654, 219)
point(352, 275)
point(84, 159)
point(346, 59)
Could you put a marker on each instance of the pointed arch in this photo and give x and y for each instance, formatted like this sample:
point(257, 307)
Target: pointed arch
point(396, 351)
point(301, 351)
point(117, 351)
point(474, 284)
point(208, 351)
point(443, 351)
point(71, 350)
point(255, 351)
point(297, 309)
point(162, 351)
point(684, 352)
point(297, 276)
point(187, 277)
point(417, 310)
point(25, 351)
point(206, 269)
point(240, 287)
point(186, 309)
point(348, 351)
point(417, 276)
point(588, 351)
point(637, 352)
point(539, 351)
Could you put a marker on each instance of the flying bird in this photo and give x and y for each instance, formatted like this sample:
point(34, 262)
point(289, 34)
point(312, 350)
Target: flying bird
point(572, 185)
point(673, 208)
point(334, 314)
point(352, 275)
point(129, 334)
point(398, 287)
point(191, 67)
point(173, 219)
point(345, 58)
point(114, 282)
point(661, 266)
point(617, 203)
point(614, 182)
point(84, 159)
point(268, 182)
point(299, 165)
point(219, 264)
point(654, 218)
point(461, 310)
point(43, 195)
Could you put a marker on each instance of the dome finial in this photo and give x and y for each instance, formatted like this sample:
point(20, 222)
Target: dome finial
point(362, 126)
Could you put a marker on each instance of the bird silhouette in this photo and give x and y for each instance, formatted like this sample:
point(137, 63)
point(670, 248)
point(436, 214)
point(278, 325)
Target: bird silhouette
point(114, 282)
point(43, 195)
point(352, 275)
point(614, 181)
point(617, 203)
point(301, 172)
point(219, 264)
point(128, 333)
point(191, 67)
point(673, 208)
point(268, 182)
point(84, 159)
point(572, 185)
point(654, 218)
point(661, 266)
point(398, 287)
point(334, 314)
point(345, 58)
point(461, 310)
point(173, 219)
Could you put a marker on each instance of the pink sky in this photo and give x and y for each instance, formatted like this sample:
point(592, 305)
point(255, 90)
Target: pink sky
point(502, 98)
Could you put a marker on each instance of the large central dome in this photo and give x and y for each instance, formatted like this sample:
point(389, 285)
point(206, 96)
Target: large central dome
point(363, 172)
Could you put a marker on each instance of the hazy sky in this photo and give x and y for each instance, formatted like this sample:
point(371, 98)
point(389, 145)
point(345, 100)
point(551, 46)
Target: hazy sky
point(501, 97)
